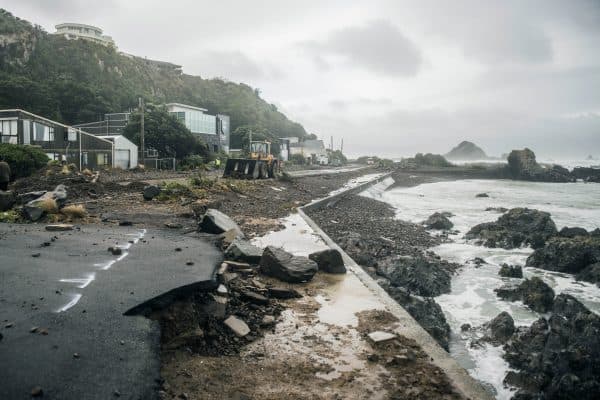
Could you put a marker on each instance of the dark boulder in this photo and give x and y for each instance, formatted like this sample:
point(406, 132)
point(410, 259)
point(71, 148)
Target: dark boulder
point(572, 232)
point(558, 358)
point(150, 192)
point(591, 273)
point(329, 261)
point(420, 275)
point(244, 251)
point(7, 200)
point(282, 265)
point(522, 165)
point(511, 271)
point(482, 195)
point(587, 174)
point(426, 312)
point(519, 226)
point(438, 221)
point(570, 255)
point(534, 293)
point(214, 221)
point(497, 209)
point(501, 328)
point(537, 294)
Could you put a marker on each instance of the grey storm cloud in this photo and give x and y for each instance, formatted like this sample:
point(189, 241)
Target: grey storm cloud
point(378, 46)
point(233, 65)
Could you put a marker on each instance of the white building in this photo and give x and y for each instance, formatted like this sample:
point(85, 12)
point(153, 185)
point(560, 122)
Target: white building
point(310, 149)
point(81, 31)
point(126, 152)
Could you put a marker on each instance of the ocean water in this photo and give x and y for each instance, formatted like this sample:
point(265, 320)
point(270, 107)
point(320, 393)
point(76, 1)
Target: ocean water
point(472, 299)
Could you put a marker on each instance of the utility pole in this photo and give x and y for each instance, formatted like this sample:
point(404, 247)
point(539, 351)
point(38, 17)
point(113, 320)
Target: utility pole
point(342, 146)
point(142, 143)
point(331, 143)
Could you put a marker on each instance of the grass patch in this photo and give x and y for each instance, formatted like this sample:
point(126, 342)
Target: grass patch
point(48, 205)
point(9, 216)
point(74, 211)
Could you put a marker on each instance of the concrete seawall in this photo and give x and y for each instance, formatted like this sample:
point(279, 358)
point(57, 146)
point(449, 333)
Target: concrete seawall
point(409, 327)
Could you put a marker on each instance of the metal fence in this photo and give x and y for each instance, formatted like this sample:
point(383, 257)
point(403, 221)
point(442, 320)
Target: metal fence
point(161, 163)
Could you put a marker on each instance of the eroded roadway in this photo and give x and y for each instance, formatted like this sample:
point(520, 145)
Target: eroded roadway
point(76, 294)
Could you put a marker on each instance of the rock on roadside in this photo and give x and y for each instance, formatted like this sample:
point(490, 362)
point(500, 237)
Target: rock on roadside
point(329, 260)
point(244, 251)
point(284, 266)
point(150, 192)
point(214, 221)
point(419, 275)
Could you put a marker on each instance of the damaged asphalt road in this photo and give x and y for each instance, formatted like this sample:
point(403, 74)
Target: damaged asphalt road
point(63, 300)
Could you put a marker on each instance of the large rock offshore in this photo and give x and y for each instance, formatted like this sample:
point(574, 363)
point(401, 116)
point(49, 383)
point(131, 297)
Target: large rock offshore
point(419, 275)
point(519, 226)
point(522, 165)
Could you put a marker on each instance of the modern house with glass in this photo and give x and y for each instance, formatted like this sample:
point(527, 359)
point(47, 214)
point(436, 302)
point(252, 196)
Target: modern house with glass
point(59, 142)
point(213, 129)
point(81, 31)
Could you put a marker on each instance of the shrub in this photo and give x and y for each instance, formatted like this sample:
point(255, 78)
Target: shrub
point(23, 160)
point(191, 162)
point(48, 205)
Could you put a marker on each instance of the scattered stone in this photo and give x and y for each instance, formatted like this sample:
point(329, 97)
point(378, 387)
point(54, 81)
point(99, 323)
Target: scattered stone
point(380, 336)
point(32, 212)
point(465, 327)
point(125, 223)
point(497, 209)
point(36, 255)
point(229, 276)
point(243, 250)
point(478, 261)
point(519, 226)
point(189, 263)
point(511, 271)
point(438, 221)
point(282, 265)
point(59, 227)
point(37, 391)
point(150, 192)
point(173, 225)
point(25, 198)
point(34, 329)
point(229, 236)
point(482, 195)
point(9, 325)
point(116, 393)
point(115, 251)
point(7, 200)
point(237, 266)
point(76, 355)
point(268, 320)
point(237, 326)
point(216, 307)
point(214, 221)
point(329, 260)
point(178, 249)
point(283, 293)
point(222, 290)
point(254, 297)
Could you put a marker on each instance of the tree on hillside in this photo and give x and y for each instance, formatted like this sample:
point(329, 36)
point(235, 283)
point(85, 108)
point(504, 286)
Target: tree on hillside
point(164, 133)
point(240, 138)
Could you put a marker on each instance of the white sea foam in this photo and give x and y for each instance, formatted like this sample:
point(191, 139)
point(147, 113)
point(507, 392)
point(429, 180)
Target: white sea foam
point(472, 299)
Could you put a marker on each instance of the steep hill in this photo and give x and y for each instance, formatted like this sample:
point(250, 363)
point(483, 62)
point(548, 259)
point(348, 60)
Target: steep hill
point(77, 81)
point(466, 151)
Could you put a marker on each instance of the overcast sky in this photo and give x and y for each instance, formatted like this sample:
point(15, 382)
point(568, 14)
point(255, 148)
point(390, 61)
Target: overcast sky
point(390, 77)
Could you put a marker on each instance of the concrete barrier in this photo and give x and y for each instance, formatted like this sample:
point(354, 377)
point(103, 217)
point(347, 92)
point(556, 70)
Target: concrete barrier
point(409, 327)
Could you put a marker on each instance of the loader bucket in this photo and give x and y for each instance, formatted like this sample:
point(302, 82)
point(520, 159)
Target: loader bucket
point(245, 168)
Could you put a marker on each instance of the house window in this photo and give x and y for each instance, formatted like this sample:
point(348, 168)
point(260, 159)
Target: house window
point(70, 135)
point(102, 159)
point(8, 131)
point(43, 133)
point(84, 158)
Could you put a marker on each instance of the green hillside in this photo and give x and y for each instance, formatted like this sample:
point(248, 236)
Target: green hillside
point(75, 81)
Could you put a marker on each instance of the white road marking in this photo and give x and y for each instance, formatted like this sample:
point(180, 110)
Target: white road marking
point(74, 300)
point(83, 282)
